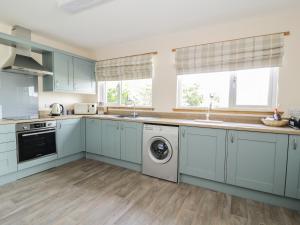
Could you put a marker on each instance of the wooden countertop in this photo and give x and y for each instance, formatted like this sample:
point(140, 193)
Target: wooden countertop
point(177, 122)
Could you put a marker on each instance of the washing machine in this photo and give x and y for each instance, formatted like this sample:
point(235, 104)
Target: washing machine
point(160, 151)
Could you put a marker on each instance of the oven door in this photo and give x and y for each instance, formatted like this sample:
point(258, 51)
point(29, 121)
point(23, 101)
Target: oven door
point(34, 144)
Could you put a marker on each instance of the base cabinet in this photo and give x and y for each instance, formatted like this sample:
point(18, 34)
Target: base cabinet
point(122, 140)
point(93, 136)
point(8, 162)
point(202, 153)
point(111, 138)
point(257, 161)
point(293, 168)
point(131, 142)
point(69, 137)
point(8, 153)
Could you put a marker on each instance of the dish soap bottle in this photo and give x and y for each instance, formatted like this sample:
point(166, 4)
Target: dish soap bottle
point(276, 115)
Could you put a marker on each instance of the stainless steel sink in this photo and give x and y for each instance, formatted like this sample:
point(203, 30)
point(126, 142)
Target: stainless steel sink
point(135, 117)
point(127, 116)
point(209, 121)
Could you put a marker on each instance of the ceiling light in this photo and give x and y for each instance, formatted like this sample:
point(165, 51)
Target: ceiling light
point(73, 6)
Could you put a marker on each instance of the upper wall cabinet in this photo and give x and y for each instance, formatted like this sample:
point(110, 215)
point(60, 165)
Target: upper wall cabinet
point(71, 74)
point(293, 168)
point(84, 76)
point(63, 72)
point(257, 161)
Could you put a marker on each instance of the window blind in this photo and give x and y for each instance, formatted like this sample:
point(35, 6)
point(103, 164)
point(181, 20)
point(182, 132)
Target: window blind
point(125, 68)
point(240, 54)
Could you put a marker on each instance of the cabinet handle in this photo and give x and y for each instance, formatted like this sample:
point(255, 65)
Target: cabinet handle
point(122, 127)
point(118, 127)
point(183, 133)
point(231, 138)
point(295, 144)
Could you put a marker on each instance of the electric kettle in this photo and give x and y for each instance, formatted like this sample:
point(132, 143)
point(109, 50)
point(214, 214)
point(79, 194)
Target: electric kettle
point(56, 109)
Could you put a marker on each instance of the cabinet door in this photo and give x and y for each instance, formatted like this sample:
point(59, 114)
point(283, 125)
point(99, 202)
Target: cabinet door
point(84, 76)
point(93, 136)
point(131, 142)
point(257, 161)
point(68, 137)
point(202, 152)
point(63, 72)
point(293, 168)
point(8, 162)
point(111, 138)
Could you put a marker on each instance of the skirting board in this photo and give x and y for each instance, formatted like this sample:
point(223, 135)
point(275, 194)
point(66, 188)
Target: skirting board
point(8, 178)
point(39, 168)
point(115, 162)
point(242, 192)
point(48, 165)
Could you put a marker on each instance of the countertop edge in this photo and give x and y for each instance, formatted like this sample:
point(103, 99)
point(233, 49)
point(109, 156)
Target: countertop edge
point(177, 122)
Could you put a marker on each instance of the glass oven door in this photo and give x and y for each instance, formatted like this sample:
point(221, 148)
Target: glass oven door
point(34, 144)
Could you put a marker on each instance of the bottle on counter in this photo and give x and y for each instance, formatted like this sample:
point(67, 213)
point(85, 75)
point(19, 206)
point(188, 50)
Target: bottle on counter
point(276, 115)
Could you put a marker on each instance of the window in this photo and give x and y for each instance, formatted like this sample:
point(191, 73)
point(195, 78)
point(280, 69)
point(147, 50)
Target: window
point(126, 92)
point(254, 88)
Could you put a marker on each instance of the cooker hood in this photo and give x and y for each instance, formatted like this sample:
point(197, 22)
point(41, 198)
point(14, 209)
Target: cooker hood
point(20, 60)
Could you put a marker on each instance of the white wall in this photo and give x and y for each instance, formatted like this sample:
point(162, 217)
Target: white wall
point(165, 81)
point(47, 98)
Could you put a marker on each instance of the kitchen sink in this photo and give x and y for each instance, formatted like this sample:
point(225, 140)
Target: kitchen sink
point(209, 121)
point(127, 116)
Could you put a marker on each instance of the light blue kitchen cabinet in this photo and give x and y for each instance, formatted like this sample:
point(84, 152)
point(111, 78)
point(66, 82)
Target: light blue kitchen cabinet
point(293, 168)
point(257, 161)
point(68, 137)
point(131, 142)
point(93, 136)
point(202, 153)
point(9, 137)
point(63, 72)
point(83, 133)
point(9, 128)
point(84, 76)
point(8, 153)
point(70, 74)
point(62, 67)
point(111, 139)
point(8, 162)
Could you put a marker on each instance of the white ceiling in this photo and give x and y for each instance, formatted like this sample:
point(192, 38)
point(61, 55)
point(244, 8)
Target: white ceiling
point(126, 20)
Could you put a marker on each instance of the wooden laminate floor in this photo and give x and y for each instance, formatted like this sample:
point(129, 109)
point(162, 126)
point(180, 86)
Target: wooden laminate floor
point(93, 193)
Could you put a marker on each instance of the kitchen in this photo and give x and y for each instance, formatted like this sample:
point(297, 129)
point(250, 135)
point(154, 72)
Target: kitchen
point(189, 119)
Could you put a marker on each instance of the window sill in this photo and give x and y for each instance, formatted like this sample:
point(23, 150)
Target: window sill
point(143, 108)
point(240, 111)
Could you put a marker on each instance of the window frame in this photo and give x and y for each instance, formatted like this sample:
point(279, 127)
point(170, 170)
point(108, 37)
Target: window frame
point(102, 95)
point(272, 95)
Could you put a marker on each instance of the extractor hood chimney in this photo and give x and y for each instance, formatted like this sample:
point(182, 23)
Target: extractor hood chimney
point(20, 60)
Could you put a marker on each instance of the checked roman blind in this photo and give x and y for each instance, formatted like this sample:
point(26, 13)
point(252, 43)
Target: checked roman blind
point(240, 54)
point(125, 68)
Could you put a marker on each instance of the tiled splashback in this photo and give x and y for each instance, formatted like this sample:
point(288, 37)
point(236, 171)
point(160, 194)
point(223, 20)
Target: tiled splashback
point(18, 94)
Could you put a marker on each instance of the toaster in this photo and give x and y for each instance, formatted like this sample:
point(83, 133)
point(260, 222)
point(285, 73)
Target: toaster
point(85, 108)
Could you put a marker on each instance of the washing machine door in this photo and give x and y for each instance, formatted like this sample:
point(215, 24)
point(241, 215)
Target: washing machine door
point(160, 150)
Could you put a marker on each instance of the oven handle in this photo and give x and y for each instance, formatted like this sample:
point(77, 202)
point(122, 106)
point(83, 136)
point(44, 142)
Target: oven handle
point(32, 134)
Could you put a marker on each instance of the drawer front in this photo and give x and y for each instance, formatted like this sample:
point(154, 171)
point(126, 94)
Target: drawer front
point(8, 162)
point(9, 137)
point(10, 128)
point(9, 146)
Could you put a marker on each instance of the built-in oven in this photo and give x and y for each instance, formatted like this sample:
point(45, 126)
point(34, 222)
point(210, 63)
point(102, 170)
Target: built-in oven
point(35, 140)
